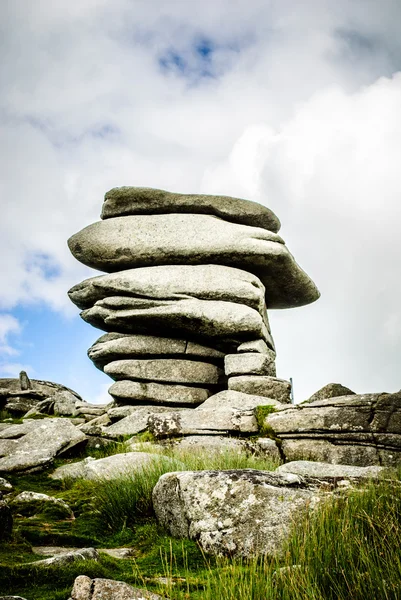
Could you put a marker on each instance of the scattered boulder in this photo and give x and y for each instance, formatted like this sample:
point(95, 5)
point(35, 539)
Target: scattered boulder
point(110, 467)
point(236, 513)
point(31, 503)
point(37, 443)
point(108, 589)
point(6, 521)
point(358, 430)
point(67, 558)
point(331, 390)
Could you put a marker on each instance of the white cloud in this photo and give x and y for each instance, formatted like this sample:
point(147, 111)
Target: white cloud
point(301, 112)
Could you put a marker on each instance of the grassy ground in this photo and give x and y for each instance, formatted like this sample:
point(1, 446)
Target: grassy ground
point(349, 549)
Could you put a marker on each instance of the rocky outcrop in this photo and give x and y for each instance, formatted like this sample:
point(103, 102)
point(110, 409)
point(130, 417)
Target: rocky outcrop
point(184, 303)
point(356, 430)
point(18, 396)
point(108, 589)
point(235, 513)
point(34, 444)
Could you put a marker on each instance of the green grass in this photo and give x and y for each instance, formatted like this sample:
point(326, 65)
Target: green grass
point(349, 548)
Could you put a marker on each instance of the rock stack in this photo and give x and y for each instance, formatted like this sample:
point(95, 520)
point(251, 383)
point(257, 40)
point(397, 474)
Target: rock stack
point(184, 300)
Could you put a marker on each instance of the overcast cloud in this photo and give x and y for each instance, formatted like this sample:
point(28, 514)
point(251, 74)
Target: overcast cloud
point(296, 105)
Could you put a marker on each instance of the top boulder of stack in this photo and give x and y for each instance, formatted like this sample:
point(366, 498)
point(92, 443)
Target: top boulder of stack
point(124, 201)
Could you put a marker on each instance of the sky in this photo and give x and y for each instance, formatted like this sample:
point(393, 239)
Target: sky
point(296, 105)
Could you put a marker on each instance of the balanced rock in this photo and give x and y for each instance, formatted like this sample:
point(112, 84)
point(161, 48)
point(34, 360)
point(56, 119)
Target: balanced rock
point(143, 201)
point(250, 363)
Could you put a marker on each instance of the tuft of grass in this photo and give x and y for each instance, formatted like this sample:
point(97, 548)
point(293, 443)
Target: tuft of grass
point(261, 412)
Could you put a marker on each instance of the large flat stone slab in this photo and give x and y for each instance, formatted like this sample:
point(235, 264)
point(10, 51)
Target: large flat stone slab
point(145, 240)
point(139, 392)
point(174, 282)
point(236, 513)
point(135, 422)
point(169, 370)
point(42, 441)
point(123, 201)
point(210, 319)
point(120, 346)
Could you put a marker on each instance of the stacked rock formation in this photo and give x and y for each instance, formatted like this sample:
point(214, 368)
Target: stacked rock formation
point(185, 298)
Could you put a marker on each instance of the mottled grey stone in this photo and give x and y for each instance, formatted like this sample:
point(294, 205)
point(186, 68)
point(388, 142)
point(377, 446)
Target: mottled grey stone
point(119, 346)
point(135, 422)
point(145, 240)
point(169, 370)
point(202, 422)
point(124, 201)
point(108, 589)
point(207, 318)
point(250, 363)
point(261, 385)
point(174, 282)
point(237, 513)
point(356, 430)
point(137, 392)
point(110, 467)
